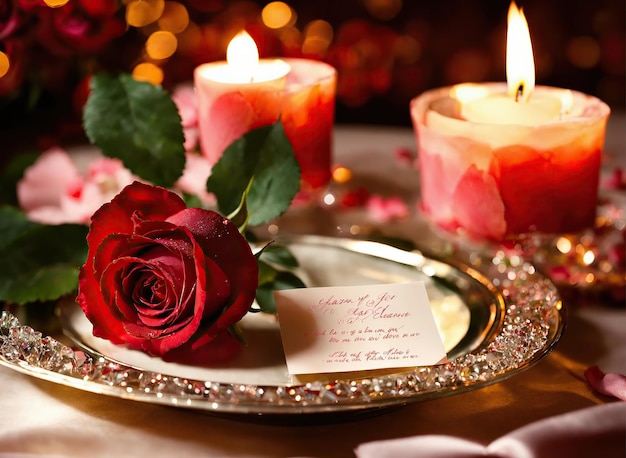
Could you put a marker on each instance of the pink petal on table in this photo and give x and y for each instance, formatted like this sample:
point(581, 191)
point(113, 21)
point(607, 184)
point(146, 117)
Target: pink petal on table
point(477, 205)
point(617, 180)
point(608, 384)
point(47, 180)
point(404, 156)
point(384, 210)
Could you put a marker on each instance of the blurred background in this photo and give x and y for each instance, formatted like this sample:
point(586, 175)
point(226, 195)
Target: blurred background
point(386, 51)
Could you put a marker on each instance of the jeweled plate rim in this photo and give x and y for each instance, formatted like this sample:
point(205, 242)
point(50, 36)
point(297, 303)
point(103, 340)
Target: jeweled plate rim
point(532, 323)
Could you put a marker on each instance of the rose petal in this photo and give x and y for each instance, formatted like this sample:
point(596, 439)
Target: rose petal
point(221, 241)
point(608, 384)
point(155, 203)
point(47, 180)
point(221, 349)
point(477, 205)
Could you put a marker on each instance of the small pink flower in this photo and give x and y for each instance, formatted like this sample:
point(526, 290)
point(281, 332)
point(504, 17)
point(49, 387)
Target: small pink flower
point(184, 96)
point(52, 190)
point(194, 178)
point(388, 209)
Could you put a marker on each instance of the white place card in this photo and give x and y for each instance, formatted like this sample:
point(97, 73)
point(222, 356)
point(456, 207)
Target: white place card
point(355, 328)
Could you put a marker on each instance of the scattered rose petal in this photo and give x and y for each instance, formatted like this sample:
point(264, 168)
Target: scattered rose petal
point(194, 178)
point(616, 181)
point(388, 209)
point(608, 384)
point(355, 198)
point(404, 156)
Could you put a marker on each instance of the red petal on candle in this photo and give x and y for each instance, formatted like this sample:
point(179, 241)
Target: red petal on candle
point(229, 118)
point(308, 119)
point(576, 180)
point(437, 185)
point(477, 205)
point(233, 114)
point(524, 177)
point(547, 191)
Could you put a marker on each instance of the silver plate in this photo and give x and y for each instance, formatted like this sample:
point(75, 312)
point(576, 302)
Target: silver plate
point(494, 324)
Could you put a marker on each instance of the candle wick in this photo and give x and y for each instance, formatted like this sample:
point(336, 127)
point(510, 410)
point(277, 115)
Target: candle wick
point(520, 92)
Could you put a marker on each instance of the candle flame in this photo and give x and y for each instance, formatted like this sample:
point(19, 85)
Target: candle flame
point(520, 65)
point(242, 55)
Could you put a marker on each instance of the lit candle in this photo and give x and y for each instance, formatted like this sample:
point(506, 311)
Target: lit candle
point(518, 105)
point(237, 95)
point(245, 92)
point(499, 160)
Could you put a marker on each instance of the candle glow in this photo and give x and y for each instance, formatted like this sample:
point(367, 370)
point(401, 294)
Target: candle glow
point(242, 56)
point(498, 160)
point(520, 104)
point(243, 66)
point(520, 64)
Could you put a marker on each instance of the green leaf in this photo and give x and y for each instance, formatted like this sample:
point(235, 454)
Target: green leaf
point(38, 262)
point(267, 273)
point(138, 123)
point(280, 254)
point(264, 157)
point(265, 295)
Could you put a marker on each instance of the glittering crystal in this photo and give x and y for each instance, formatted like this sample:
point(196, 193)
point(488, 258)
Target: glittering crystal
point(29, 343)
point(50, 355)
point(7, 322)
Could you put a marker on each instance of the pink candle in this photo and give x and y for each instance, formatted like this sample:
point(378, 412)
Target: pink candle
point(497, 163)
point(308, 116)
point(299, 91)
point(235, 97)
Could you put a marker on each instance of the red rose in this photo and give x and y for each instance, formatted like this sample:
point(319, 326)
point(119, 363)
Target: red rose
point(70, 30)
point(166, 279)
point(10, 19)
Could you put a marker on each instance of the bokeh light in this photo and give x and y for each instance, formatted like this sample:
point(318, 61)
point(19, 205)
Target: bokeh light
point(341, 174)
point(175, 17)
point(318, 35)
point(583, 52)
point(149, 72)
point(277, 15)
point(383, 10)
point(5, 64)
point(161, 45)
point(55, 3)
point(140, 13)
